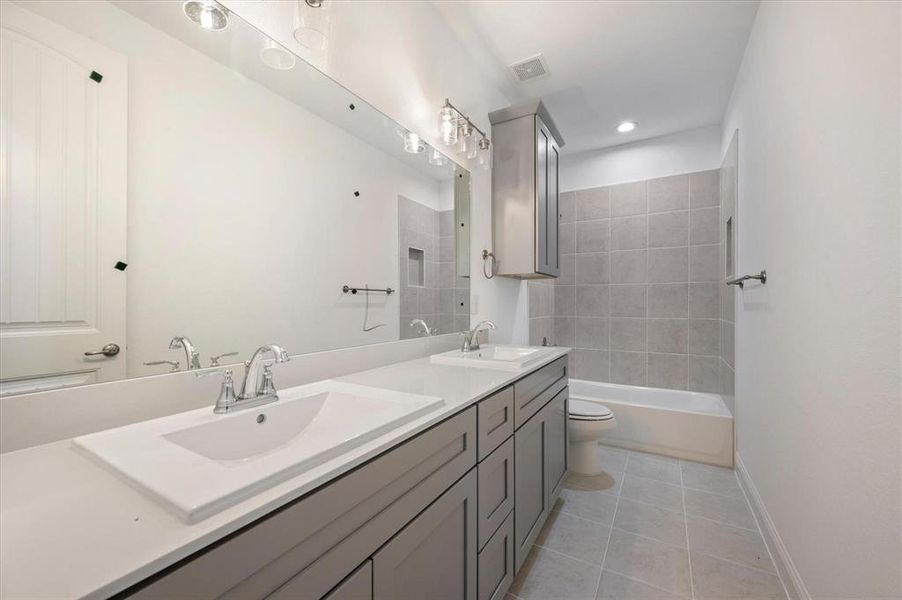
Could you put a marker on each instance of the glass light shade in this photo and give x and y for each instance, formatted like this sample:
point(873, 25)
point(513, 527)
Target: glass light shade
point(485, 154)
point(412, 143)
point(275, 56)
point(312, 25)
point(466, 134)
point(436, 158)
point(447, 123)
point(472, 146)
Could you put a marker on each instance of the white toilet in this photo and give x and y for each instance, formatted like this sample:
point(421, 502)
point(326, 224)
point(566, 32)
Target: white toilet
point(587, 420)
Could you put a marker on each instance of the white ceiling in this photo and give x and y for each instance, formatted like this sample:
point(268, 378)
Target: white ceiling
point(668, 65)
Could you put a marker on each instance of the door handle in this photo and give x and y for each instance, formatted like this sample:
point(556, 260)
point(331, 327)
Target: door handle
point(108, 350)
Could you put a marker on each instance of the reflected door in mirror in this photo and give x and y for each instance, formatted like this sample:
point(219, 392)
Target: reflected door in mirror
point(63, 100)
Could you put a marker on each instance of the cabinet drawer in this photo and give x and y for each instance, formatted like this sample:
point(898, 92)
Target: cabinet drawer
point(324, 536)
point(496, 563)
point(496, 489)
point(495, 421)
point(530, 393)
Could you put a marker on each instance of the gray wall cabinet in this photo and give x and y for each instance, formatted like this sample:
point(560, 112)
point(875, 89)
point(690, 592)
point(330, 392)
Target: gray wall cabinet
point(525, 191)
point(444, 515)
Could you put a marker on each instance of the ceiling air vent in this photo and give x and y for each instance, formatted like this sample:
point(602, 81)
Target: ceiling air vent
point(530, 68)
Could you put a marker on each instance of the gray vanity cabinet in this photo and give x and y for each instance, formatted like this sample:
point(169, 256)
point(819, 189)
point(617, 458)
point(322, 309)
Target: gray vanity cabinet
point(434, 556)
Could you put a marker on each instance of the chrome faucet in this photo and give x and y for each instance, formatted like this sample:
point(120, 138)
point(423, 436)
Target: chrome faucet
point(258, 387)
point(422, 324)
point(471, 339)
point(192, 356)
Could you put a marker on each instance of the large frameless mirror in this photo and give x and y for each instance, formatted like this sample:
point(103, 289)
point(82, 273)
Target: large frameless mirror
point(178, 189)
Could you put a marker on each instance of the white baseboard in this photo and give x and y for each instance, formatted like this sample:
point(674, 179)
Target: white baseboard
point(789, 575)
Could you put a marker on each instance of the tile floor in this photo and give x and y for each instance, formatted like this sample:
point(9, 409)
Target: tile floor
point(649, 527)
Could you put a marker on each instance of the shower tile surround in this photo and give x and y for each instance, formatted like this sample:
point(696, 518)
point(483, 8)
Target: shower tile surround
point(640, 296)
point(426, 241)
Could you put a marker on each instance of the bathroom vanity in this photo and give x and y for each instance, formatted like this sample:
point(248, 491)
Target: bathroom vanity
point(450, 513)
point(446, 506)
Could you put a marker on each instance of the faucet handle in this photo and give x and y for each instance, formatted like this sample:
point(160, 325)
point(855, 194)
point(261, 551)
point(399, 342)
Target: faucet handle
point(214, 360)
point(267, 386)
point(226, 399)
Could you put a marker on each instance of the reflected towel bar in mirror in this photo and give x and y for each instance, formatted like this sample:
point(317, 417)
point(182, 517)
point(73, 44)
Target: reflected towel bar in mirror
point(354, 290)
point(762, 277)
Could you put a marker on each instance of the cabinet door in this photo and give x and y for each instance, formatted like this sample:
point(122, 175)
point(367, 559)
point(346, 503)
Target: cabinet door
point(547, 217)
point(530, 486)
point(554, 209)
point(555, 417)
point(541, 198)
point(496, 562)
point(434, 556)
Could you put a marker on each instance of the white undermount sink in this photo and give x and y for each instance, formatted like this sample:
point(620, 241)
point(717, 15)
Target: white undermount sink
point(198, 463)
point(495, 356)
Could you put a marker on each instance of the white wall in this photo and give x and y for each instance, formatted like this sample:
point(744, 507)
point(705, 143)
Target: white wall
point(232, 212)
point(817, 105)
point(405, 60)
point(682, 152)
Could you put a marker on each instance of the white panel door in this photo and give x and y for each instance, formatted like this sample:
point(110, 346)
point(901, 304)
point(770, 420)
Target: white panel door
point(62, 205)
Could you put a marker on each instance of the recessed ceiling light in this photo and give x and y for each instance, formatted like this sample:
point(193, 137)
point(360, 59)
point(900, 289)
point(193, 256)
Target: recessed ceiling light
point(209, 14)
point(626, 127)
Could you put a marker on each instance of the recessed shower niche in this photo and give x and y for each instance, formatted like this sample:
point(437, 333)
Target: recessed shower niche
point(416, 267)
point(431, 288)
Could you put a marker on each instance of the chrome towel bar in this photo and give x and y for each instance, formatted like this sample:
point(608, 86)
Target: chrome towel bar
point(354, 290)
point(762, 277)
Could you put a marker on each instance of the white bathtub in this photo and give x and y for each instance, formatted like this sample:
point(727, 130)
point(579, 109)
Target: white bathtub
point(688, 425)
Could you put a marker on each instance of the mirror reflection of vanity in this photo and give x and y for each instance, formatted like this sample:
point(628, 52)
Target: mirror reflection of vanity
point(176, 197)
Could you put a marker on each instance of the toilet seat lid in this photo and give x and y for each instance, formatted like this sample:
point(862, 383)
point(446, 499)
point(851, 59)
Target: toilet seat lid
point(583, 409)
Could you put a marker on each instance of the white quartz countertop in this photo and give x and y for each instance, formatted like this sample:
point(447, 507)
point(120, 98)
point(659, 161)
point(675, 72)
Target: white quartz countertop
point(71, 529)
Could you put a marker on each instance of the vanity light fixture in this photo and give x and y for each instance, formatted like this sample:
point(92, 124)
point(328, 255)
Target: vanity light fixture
point(457, 129)
point(209, 14)
point(626, 126)
point(276, 56)
point(412, 142)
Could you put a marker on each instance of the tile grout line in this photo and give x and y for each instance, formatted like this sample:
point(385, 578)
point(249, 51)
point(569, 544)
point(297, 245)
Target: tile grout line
point(740, 564)
point(686, 529)
point(724, 523)
point(607, 546)
point(649, 584)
